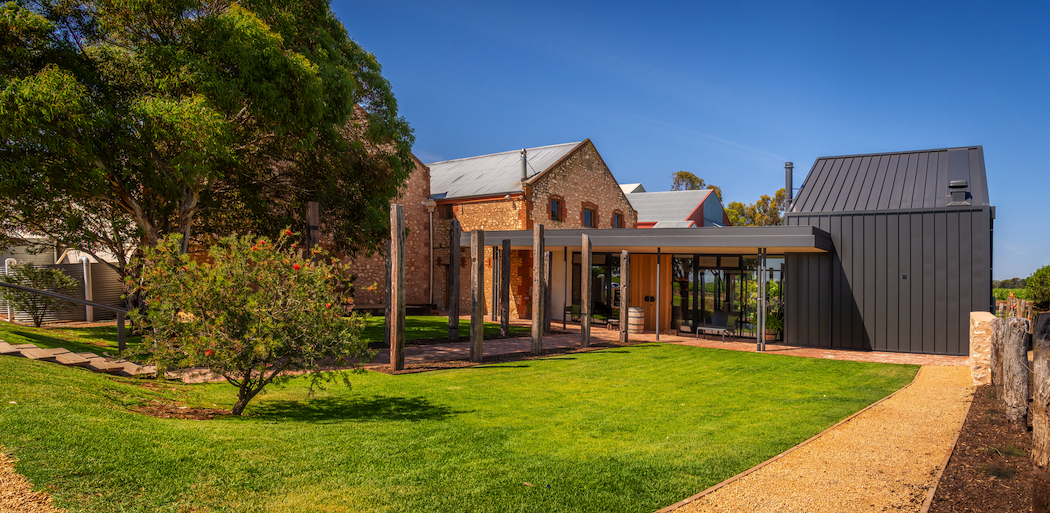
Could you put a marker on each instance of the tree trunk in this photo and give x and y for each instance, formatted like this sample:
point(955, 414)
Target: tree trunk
point(1015, 373)
point(1041, 416)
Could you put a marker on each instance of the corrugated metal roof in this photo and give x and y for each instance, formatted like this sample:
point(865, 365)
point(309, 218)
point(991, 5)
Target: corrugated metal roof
point(487, 175)
point(667, 205)
point(629, 188)
point(673, 224)
point(889, 181)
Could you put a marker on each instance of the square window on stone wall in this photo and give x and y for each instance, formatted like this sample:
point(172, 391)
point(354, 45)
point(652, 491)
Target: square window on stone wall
point(556, 210)
point(617, 220)
point(590, 218)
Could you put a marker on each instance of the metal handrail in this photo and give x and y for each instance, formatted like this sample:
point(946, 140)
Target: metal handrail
point(121, 312)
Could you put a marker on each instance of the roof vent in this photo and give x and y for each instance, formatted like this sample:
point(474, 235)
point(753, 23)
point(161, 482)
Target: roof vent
point(958, 192)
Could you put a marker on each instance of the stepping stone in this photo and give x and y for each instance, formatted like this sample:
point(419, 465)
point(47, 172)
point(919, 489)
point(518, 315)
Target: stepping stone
point(36, 353)
point(87, 355)
point(71, 359)
point(26, 346)
point(6, 348)
point(103, 365)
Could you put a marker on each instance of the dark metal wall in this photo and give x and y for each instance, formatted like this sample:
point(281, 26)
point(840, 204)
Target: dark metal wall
point(897, 281)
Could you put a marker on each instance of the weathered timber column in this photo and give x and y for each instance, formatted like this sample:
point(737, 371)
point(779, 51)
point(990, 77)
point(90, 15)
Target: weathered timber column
point(548, 280)
point(386, 297)
point(453, 281)
point(1041, 416)
point(1015, 373)
point(504, 290)
point(397, 287)
point(538, 294)
point(996, 356)
point(625, 292)
point(313, 228)
point(477, 295)
point(981, 347)
point(585, 291)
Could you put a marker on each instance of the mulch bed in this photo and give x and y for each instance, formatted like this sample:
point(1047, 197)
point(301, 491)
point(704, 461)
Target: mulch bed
point(990, 469)
point(170, 411)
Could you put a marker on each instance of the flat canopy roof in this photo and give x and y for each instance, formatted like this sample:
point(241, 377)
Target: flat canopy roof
point(713, 240)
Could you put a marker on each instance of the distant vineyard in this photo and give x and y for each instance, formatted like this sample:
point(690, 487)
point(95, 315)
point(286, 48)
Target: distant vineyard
point(1004, 294)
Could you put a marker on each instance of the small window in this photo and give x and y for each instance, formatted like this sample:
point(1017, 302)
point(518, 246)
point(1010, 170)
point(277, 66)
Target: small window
point(617, 220)
point(590, 218)
point(445, 211)
point(556, 209)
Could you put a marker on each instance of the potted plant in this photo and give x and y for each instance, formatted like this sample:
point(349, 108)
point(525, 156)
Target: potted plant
point(774, 326)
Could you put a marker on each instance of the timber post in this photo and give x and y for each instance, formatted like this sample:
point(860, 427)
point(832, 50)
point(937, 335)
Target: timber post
point(397, 287)
point(625, 293)
point(1041, 415)
point(996, 356)
point(313, 228)
point(504, 290)
point(453, 281)
point(538, 294)
point(585, 291)
point(1015, 373)
point(386, 297)
point(477, 295)
point(548, 278)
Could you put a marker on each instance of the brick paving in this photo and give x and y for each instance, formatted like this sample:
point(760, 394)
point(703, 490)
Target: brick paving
point(569, 337)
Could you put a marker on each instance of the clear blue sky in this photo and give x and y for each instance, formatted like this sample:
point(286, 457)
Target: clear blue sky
point(732, 90)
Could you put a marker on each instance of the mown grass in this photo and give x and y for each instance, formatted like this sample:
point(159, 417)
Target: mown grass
point(625, 429)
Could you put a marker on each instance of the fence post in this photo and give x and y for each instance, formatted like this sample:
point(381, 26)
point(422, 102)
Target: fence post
point(121, 335)
point(1041, 416)
point(996, 356)
point(1015, 373)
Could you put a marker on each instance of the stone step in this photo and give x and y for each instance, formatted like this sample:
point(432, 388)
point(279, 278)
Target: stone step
point(6, 348)
point(36, 353)
point(71, 359)
point(103, 365)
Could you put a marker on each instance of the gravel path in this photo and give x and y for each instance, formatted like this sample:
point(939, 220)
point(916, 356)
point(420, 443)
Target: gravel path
point(884, 459)
point(16, 494)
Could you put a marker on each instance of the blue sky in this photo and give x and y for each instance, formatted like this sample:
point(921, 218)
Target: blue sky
point(732, 90)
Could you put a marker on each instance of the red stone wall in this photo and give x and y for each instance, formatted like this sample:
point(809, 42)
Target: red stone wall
point(370, 284)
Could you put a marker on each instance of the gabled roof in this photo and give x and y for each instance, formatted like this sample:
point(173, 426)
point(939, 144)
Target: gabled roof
point(654, 207)
point(491, 175)
point(629, 188)
point(890, 181)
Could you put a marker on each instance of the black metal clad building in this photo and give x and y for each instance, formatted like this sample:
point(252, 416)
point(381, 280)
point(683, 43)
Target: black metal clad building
point(912, 233)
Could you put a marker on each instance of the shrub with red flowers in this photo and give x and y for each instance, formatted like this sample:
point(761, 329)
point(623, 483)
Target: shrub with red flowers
point(256, 312)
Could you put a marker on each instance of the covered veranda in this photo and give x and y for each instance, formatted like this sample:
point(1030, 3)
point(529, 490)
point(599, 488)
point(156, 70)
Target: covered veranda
point(679, 278)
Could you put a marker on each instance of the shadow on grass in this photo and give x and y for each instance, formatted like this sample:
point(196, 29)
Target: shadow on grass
point(324, 409)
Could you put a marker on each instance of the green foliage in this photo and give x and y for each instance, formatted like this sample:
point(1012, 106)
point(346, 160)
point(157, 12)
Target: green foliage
point(256, 312)
point(1004, 294)
point(1012, 283)
point(686, 181)
point(764, 212)
point(391, 443)
point(40, 278)
point(1037, 286)
point(124, 122)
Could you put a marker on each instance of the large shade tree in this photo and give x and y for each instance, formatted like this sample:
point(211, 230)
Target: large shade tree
point(766, 211)
point(125, 121)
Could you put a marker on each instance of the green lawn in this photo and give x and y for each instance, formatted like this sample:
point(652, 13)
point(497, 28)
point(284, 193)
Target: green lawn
point(104, 339)
point(625, 429)
point(425, 327)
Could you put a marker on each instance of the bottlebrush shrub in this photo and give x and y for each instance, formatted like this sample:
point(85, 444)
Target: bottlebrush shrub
point(256, 312)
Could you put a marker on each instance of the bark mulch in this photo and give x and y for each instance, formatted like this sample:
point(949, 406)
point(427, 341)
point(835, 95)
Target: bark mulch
point(990, 470)
point(16, 494)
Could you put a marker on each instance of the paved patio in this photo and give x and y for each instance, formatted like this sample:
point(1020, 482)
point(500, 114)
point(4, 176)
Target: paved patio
point(569, 337)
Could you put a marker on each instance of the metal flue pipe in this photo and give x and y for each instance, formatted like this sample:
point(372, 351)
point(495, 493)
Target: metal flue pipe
point(789, 185)
point(524, 165)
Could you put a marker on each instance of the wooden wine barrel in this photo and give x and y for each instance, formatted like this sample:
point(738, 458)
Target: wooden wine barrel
point(635, 319)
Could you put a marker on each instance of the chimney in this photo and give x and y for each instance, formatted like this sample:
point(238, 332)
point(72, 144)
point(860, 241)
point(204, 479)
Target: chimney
point(524, 166)
point(789, 186)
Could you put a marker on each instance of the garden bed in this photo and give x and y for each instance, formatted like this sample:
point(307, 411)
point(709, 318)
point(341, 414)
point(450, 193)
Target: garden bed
point(990, 469)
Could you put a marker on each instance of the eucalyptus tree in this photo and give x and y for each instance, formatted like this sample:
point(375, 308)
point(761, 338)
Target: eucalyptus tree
point(125, 121)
